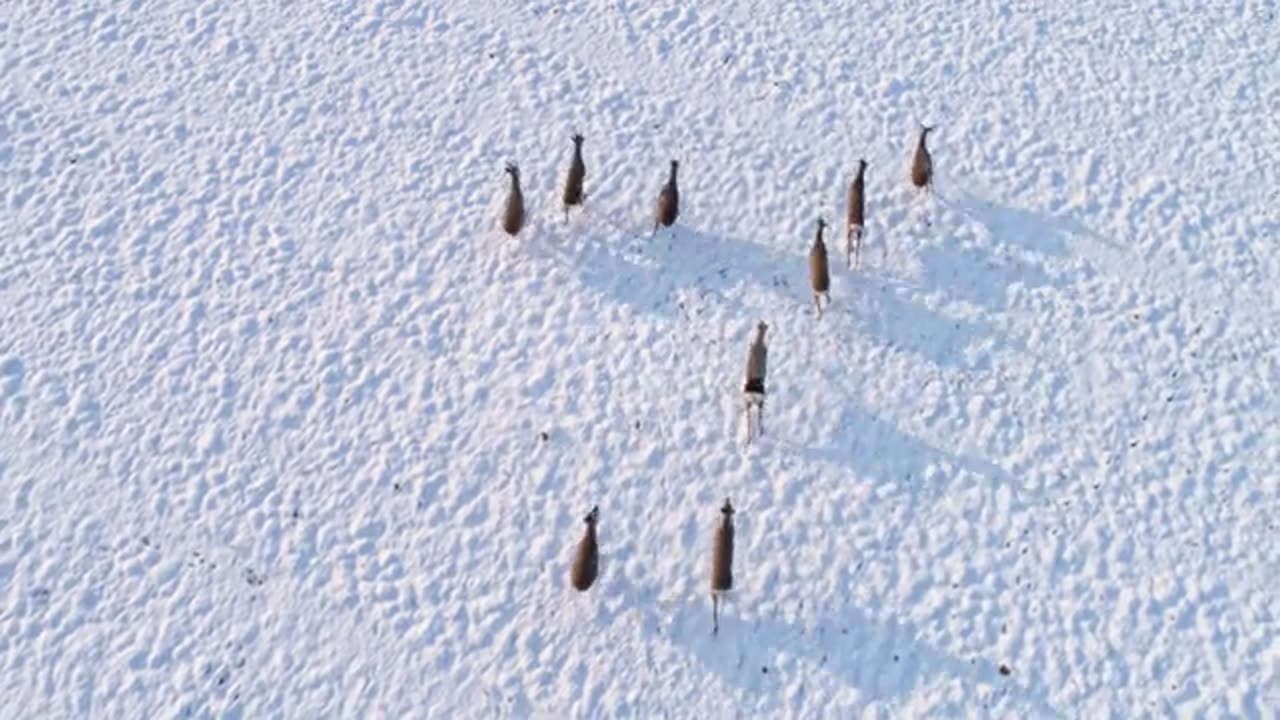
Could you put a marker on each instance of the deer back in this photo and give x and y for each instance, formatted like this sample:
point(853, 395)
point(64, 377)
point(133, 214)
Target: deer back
point(922, 163)
point(819, 273)
point(513, 218)
point(722, 557)
point(855, 198)
point(577, 174)
point(669, 200)
point(586, 561)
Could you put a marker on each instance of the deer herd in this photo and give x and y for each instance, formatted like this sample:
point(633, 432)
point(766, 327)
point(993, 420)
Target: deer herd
point(586, 561)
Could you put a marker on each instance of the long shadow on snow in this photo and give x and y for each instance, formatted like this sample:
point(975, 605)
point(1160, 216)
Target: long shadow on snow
point(654, 271)
point(647, 272)
point(878, 449)
point(883, 659)
point(971, 274)
point(1034, 231)
point(886, 312)
point(977, 276)
point(908, 472)
point(982, 277)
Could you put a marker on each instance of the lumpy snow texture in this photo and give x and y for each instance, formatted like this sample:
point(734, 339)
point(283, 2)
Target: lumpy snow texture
point(290, 428)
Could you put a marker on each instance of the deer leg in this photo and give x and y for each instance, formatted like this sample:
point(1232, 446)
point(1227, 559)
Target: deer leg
point(760, 417)
point(715, 613)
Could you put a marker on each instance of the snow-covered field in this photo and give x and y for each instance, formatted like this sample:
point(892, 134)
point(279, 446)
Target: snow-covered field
point(274, 386)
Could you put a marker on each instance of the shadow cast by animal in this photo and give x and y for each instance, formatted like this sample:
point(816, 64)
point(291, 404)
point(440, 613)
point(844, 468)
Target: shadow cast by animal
point(648, 273)
point(910, 475)
point(976, 275)
point(651, 274)
point(883, 659)
point(1031, 230)
point(876, 448)
point(887, 311)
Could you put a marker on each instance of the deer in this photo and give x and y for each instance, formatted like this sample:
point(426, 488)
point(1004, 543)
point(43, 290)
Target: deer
point(819, 272)
point(753, 391)
point(573, 181)
point(721, 563)
point(855, 223)
point(513, 217)
point(668, 201)
point(586, 562)
point(922, 163)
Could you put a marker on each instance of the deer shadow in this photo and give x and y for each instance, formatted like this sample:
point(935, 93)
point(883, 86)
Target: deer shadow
point(675, 270)
point(971, 279)
point(889, 312)
point(876, 448)
point(1031, 230)
point(885, 659)
point(911, 476)
point(649, 271)
point(976, 275)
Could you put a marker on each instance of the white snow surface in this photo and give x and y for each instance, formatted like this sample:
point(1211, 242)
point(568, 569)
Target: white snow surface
point(273, 381)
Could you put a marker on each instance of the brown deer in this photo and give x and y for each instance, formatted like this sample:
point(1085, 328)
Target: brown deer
point(573, 181)
point(721, 563)
point(586, 562)
point(753, 390)
point(668, 201)
point(819, 272)
point(922, 163)
point(513, 218)
point(853, 240)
